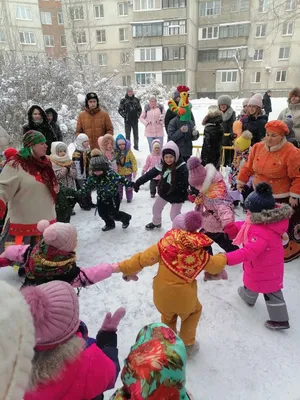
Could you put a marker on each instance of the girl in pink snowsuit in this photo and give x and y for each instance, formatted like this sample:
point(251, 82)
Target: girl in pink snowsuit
point(152, 161)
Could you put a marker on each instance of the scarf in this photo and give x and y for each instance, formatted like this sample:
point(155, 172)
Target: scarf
point(242, 236)
point(227, 114)
point(167, 175)
point(64, 161)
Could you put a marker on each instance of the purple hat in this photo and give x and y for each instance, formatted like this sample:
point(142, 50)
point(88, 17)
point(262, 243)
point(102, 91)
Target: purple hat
point(190, 222)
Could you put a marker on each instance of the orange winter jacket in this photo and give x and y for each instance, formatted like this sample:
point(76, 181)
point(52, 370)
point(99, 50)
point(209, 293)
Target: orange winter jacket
point(279, 166)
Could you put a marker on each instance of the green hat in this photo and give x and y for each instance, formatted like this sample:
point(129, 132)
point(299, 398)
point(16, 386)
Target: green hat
point(29, 140)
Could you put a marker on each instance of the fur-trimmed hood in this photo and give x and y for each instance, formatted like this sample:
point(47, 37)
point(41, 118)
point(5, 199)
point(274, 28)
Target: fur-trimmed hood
point(273, 218)
point(212, 176)
point(213, 118)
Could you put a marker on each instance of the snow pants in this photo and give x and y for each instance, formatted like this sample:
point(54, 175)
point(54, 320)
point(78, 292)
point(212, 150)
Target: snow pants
point(110, 212)
point(128, 190)
point(275, 303)
point(158, 207)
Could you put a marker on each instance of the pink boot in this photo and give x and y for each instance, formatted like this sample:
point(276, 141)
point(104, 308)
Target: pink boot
point(217, 277)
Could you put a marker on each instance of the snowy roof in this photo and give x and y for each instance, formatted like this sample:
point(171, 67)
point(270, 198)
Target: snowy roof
point(235, 23)
point(147, 22)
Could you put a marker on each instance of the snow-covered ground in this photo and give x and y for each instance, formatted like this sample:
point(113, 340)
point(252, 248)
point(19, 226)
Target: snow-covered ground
point(239, 358)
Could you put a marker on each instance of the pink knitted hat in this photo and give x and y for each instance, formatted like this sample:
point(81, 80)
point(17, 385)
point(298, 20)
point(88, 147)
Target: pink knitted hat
point(170, 145)
point(197, 173)
point(256, 100)
point(55, 310)
point(190, 222)
point(59, 235)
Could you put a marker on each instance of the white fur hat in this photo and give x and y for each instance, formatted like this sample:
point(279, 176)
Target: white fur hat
point(16, 343)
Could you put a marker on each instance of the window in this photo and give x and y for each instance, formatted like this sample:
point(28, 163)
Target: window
point(23, 13)
point(60, 18)
point(148, 54)
point(141, 5)
point(174, 3)
point(237, 30)
point(174, 53)
point(27, 38)
point(141, 30)
point(230, 53)
point(208, 55)
point(176, 27)
point(123, 34)
point(288, 28)
point(258, 55)
point(126, 80)
point(46, 18)
point(173, 78)
point(102, 58)
point(30, 60)
point(263, 6)
point(63, 41)
point(76, 13)
point(290, 5)
point(49, 40)
point(84, 59)
point(125, 57)
point(99, 11)
point(2, 37)
point(210, 8)
point(284, 53)
point(255, 77)
point(210, 32)
point(239, 5)
point(281, 76)
point(144, 78)
point(123, 9)
point(101, 36)
point(79, 37)
point(260, 30)
point(229, 76)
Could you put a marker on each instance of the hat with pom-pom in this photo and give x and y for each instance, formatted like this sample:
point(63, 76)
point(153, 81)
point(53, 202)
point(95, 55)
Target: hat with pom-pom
point(278, 127)
point(9, 153)
point(190, 221)
point(59, 235)
point(197, 173)
point(55, 310)
point(261, 199)
point(244, 141)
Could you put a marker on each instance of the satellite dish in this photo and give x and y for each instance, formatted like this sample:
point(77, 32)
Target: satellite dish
point(251, 52)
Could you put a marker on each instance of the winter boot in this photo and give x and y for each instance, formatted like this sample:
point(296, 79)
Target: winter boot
point(192, 350)
point(151, 226)
point(126, 222)
point(108, 228)
point(129, 201)
point(217, 277)
point(152, 196)
point(275, 325)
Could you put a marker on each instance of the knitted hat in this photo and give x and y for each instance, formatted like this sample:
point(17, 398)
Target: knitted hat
point(55, 310)
point(261, 199)
point(245, 102)
point(278, 127)
point(16, 343)
point(224, 99)
point(91, 96)
point(156, 143)
point(171, 148)
point(197, 173)
point(244, 141)
point(9, 153)
point(190, 222)
point(256, 101)
point(98, 161)
point(59, 235)
point(30, 138)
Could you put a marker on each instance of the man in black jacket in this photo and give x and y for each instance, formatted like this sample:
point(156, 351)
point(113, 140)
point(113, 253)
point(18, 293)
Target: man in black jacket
point(267, 103)
point(130, 109)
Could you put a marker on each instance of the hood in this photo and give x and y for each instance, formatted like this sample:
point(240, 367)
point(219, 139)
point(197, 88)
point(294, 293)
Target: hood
point(276, 219)
point(127, 142)
point(104, 140)
point(82, 137)
point(43, 114)
point(212, 176)
point(53, 112)
point(156, 141)
point(172, 146)
point(213, 118)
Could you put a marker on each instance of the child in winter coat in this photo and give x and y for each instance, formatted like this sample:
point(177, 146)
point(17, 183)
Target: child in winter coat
point(213, 137)
point(152, 160)
point(65, 365)
point(162, 374)
point(105, 181)
point(54, 258)
point(127, 166)
point(106, 145)
point(262, 253)
point(81, 160)
point(181, 256)
point(213, 202)
point(172, 186)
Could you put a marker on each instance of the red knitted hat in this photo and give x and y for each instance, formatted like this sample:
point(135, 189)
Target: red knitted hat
point(278, 127)
point(9, 153)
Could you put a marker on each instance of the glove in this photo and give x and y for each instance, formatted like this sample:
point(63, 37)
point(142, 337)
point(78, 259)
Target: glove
point(231, 230)
point(217, 277)
point(195, 132)
point(136, 187)
point(111, 322)
point(129, 278)
point(134, 175)
point(192, 198)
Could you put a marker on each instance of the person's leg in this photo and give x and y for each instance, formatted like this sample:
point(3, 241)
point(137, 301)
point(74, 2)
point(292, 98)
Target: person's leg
point(135, 128)
point(157, 209)
point(129, 190)
point(247, 295)
point(175, 210)
point(153, 186)
point(85, 202)
point(118, 215)
point(170, 320)
point(120, 191)
point(276, 306)
point(150, 140)
point(189, 325)
point(105, 214)
point(127, 130)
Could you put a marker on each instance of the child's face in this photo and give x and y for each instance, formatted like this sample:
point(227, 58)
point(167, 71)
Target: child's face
point(109, 146)
point(169, 159)
point(121, 145)
point(86, 144)
point(156, 150)
point(98, 173)
point(61, 153)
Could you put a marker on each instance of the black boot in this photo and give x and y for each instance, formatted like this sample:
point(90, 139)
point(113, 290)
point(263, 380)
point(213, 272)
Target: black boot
point(108, 228)
point(126, 222)
point(151, 226)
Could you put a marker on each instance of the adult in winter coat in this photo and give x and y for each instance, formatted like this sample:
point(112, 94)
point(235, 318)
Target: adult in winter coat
point(277, 162)
point(267, 102)
point(171, 114)
point(255, 121)
point(94, 122)
point(52, 118)
point(293, 111)
point(153, 119)
point(183, 134)
point(38, 121)
point(213, 136)
point(130, 109)
point(4, 139)
point(228, 116)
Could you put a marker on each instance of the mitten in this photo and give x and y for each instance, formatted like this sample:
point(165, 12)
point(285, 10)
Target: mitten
point(136, 187)
point(111, 322)
point(195, 132)
point(217, 277)
point(129, 278)
point(192, 198)
point(231, 230)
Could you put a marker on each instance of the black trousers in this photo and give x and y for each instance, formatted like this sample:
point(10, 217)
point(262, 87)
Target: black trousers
point(86, 201)
point(110, 212)
point(135, 128)
point(153, 185)
point(222, 240)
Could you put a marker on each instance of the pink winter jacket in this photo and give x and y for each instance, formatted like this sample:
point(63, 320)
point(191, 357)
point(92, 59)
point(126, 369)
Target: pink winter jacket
point(90, 374)
point(151, 162)
point(94, 274)
point(153, 119)
point(262, 254)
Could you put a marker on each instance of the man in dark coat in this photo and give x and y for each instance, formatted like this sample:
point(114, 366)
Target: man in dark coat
point(267, 103)
point(170, 114)
point(38, 121)
point(130, 109)
point(183, 133)
point(52, 118)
